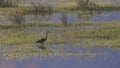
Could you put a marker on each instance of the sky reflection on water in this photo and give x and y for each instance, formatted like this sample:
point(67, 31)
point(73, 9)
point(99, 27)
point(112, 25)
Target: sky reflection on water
point(72, 17)
point(100, 58)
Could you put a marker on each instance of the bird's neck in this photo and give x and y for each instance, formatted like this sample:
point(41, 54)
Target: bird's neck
point(46, 36)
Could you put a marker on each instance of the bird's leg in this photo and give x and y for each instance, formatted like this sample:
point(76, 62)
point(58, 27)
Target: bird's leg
point(42, 46)
point(38, 44)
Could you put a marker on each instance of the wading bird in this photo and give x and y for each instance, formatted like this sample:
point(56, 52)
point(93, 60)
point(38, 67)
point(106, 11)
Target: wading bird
point(41, 41)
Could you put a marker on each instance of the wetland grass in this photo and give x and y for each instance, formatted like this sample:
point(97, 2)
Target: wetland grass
point(72, 6)
point(106, 34)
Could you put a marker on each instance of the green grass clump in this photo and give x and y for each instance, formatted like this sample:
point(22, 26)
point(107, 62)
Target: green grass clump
point(11, 25)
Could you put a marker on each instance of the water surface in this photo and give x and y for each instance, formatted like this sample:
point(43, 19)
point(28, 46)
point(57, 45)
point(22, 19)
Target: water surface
point(60, 57)
point(94, 16)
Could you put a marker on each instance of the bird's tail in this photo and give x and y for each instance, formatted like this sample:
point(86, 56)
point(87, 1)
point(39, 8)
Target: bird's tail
point(36, 42)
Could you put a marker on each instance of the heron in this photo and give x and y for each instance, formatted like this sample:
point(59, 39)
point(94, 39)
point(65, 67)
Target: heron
point(42, 41)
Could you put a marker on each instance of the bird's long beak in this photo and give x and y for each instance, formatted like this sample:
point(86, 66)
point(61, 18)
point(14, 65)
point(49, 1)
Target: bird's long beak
point(48, 32)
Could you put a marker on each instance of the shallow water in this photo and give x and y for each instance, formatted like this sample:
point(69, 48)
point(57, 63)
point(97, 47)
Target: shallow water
point(78, 17)
point(60, 57)
point(93, 16)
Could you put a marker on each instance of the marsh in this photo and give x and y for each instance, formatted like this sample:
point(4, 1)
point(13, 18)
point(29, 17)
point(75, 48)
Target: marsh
point(89, 39)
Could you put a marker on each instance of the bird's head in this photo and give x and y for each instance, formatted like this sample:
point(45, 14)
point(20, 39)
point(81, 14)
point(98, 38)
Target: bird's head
point(47, 32)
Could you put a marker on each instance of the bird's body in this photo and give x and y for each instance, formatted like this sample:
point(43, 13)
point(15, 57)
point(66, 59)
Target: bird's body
point(41, 41)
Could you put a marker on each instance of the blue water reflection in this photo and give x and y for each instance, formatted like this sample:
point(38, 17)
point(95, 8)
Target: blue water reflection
point(107, 17)
point(73, 17)
point(111, 60)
